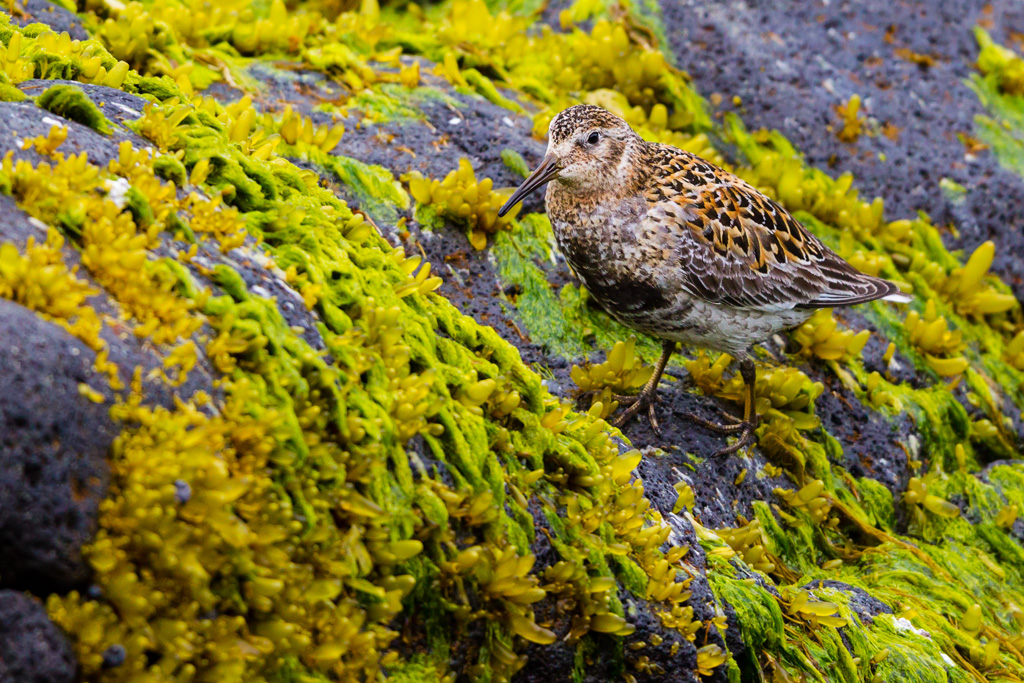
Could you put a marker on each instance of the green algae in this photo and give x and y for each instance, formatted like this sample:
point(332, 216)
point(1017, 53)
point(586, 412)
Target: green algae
point(169, 168)
point(8, 93)
point(515, 162)
point(877, 502)
point(70, 102)
point(376, 188)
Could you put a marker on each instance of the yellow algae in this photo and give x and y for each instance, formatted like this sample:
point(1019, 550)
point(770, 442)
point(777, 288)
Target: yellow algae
point(38, 279)
point(462, 198)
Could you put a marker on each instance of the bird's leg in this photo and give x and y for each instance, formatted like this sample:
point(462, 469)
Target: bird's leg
point(646, 397)
point(746, 426)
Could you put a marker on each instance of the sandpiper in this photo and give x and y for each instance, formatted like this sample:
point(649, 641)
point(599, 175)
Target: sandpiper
point(679, 249)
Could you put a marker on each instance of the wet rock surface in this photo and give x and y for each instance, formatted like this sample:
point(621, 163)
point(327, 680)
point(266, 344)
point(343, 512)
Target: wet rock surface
point(53, 15)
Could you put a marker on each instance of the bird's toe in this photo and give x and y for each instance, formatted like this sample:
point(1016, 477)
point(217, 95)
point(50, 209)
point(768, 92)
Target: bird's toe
point(745, 439)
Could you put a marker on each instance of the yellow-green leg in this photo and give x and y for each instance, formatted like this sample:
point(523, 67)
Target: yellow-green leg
point(646, 398)
point(746, 426)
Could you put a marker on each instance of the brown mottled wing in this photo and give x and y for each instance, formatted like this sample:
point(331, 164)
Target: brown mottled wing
point(737, 247)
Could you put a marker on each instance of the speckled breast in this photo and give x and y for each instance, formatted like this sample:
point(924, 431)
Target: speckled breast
point(617, 269)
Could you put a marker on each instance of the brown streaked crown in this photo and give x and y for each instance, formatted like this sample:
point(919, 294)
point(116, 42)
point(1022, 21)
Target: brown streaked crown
point(581, 117)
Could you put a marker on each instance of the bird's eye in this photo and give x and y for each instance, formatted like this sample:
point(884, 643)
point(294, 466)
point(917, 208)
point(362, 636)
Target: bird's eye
point(594, 138)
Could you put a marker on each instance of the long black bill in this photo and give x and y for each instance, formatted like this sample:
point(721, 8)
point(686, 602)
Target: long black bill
point(547, 170)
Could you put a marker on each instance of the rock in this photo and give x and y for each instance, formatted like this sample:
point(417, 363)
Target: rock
point(53, 448)
point(117, 105)
point(32, 648)
point(53, 15)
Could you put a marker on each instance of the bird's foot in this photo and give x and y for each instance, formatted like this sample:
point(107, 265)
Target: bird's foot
point(635, 404)
point(735, 425)
point(746, 439)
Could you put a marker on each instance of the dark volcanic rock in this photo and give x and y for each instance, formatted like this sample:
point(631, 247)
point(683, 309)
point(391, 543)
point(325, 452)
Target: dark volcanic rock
point(53, 15)
point(54, 444)
point(23, 120)
point(32, 649)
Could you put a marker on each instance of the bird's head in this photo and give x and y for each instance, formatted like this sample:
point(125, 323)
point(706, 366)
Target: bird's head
point(588, 150)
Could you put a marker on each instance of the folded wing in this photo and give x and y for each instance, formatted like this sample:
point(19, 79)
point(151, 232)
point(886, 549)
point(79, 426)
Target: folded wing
point(740, 248)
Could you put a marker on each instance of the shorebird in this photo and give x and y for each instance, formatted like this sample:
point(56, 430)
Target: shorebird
point(674, 247)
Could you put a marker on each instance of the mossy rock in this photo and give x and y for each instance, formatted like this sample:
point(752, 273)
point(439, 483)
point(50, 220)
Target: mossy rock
point(337, 463)
point(70, 102)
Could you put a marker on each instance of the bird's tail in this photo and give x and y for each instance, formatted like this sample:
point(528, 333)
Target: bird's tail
point(848, 286)
point(899, 297)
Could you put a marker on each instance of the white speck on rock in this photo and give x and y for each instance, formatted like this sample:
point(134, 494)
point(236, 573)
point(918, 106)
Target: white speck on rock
point(679, 526)
point(54, 122)
point(127, 109)
point(682, 476)
point(261, 291)
point(117, 191)
point(454, 121)
point(947, 660)
point(257, 255)
point(508, 122)
point(38, 224)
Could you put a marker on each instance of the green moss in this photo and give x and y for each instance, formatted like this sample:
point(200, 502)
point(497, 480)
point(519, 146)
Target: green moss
point(376, 188)
point(160, 88)
point(169, 168)
point(414, 672)
point(138, 205)
point(515, 162)
point(70, 102)
point(8, 93)
point(877, 500)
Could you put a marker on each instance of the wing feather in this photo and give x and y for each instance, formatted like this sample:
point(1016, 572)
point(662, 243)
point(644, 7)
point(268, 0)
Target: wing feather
point(739, 248)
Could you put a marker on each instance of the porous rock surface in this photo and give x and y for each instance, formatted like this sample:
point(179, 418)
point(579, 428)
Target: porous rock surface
point(55, 443)
point(32, 648)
